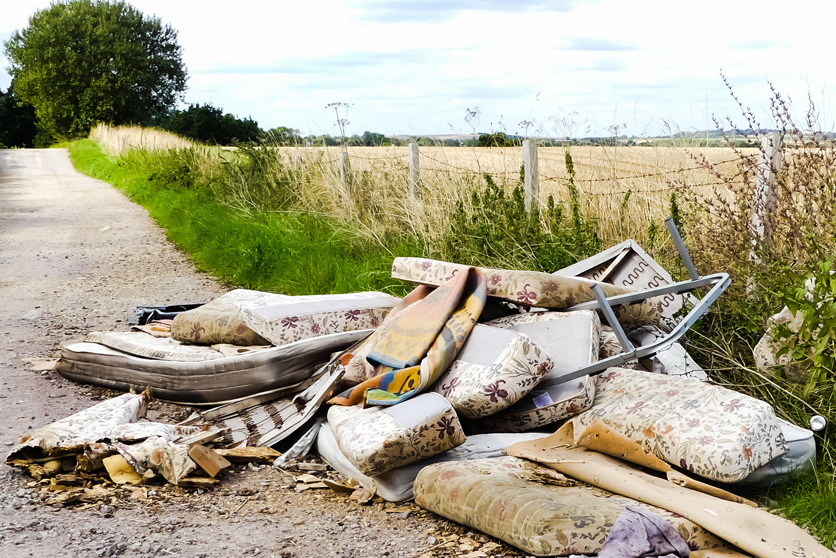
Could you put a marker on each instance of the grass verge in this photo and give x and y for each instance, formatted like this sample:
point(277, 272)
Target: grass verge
point(288, 252)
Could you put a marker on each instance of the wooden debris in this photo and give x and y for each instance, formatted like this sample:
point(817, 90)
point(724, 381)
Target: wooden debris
point(308, 479)
point(319, 467)
point(202, 437)
point(120, 471)
point(347, 488)
point(253, 454)
point(302, 487)
point(362, 495)
point(40, 364)
point(208, 459)
point(197, 482)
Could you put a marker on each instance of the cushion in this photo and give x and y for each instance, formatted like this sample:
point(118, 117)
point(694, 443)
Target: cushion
point(243, 317)
point(766, 351)
point(543, 406)
point(396, 485)
point(709, 430)
point(531, 288)
point(500, 498)
point(495, 368)
point(379, 439)
point(571, 339)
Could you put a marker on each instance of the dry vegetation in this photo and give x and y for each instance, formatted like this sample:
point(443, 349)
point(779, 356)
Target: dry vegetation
point(123, 138)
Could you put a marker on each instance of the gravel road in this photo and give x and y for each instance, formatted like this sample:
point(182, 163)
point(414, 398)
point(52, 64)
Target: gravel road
point(75, 256)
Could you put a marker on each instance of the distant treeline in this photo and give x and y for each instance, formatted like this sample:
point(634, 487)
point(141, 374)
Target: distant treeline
point(211, 125)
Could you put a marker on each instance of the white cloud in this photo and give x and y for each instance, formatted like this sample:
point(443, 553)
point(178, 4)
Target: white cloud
point(415, 70)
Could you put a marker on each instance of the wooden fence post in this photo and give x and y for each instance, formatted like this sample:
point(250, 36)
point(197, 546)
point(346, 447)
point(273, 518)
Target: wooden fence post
point(766, 196)
point(345, 171)
point(532, 174)
point(414, 175)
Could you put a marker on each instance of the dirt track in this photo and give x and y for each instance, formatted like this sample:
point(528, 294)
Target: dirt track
point(75, 256)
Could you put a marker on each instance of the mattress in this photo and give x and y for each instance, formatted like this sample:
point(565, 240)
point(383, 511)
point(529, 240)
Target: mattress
point(203, 383)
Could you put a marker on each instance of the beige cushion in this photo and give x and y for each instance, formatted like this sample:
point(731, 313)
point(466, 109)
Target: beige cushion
point(379, 439)
point(495, 369)
point(709, 430)
point(556, 517)
point(243, 317)
point(542, 407)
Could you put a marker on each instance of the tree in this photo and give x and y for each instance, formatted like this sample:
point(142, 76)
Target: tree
point(210, 125)
point(86, 61)
point(17, 121)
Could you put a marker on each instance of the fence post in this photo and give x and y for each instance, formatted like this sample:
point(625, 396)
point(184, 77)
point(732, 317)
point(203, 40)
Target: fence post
point(345, 171)
point(414, 176)
point(765, 195)
point(532, 174)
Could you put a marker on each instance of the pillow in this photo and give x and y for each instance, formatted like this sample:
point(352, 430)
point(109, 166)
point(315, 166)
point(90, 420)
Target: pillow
point(709, 430)
point(571, 339)
point(494, 369)
point(500, 498)
point(379, 439)
point(542, 406)
point(243, 317)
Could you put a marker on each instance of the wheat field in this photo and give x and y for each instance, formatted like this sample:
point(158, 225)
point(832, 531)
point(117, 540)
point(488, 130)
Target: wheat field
point(624, 188)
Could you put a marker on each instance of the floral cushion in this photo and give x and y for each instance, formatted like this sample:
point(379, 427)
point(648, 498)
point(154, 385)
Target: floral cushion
point(766, 351)
point(542, 406)
point(709, 430)
point(495, 368)
point(502, 498)
point(379, 439)
point(531, 288)
point(571, 338)
point(243, 317)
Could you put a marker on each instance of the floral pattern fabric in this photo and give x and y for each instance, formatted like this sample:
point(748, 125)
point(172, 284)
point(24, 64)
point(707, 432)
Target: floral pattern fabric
point(477, 390)
point(530, 288)
point(69, 435)
point(501, 497)
point(766, 350)
point(244, 317)
point(563, 401)
point(157, 454)
point(708, 430)
point(375, 442)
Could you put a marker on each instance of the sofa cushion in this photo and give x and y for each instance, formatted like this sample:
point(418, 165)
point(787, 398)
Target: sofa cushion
point(379, 439)
point(709, 430)
point(495, 368)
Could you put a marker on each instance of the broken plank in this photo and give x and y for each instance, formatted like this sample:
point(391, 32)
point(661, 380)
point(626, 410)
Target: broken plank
point(208, 459)
point(202, 437)
point(254, 454)
point(197, 482)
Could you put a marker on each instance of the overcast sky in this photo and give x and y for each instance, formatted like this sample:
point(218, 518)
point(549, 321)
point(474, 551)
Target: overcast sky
point(415, 67)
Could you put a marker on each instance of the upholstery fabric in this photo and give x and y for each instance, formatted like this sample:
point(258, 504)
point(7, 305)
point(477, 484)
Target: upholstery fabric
point(379, 439)
point(494, 369)
point(709, 430)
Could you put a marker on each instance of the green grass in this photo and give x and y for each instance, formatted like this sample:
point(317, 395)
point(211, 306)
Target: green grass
point(809, 501)
point(290, 252)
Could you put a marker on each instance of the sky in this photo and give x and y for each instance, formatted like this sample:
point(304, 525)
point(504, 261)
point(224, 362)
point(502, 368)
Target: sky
point(569, 67)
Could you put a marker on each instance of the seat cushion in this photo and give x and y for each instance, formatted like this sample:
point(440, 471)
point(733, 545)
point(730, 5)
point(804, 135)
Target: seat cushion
point(542, 407)
point(500, 497)
point(709, 430)
point(531, 288)
point(495, 369)
point(379, 439)
point(243, 317)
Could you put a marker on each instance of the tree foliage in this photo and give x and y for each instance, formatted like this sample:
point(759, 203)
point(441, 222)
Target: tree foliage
point(209, 124)
point(17, 121)
point(81, 62)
